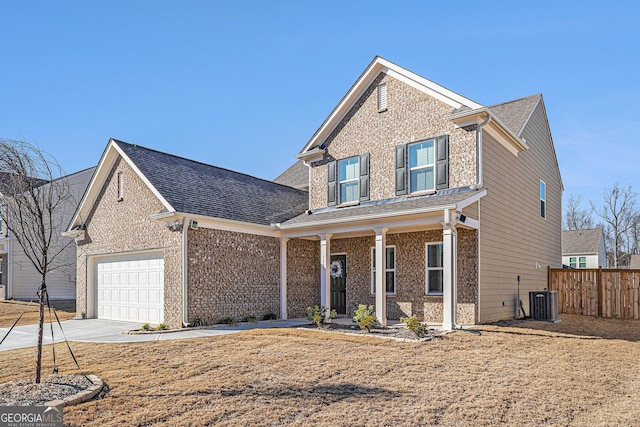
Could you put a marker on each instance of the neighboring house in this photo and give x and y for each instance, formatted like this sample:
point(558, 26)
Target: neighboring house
point(584, 248)
point(420, 201)
point(20, 278)
point(635, 262)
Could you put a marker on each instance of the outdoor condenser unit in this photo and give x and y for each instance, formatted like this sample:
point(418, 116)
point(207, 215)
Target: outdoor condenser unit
point(543, 305)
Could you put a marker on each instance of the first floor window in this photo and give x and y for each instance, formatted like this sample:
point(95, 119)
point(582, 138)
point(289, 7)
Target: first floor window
point(578, 262)
point(390, 270)
point(348, 180)
point(435, 269)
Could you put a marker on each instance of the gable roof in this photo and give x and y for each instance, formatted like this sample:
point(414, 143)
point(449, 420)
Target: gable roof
point(585, 241)
point(190, 187)
point(377, 66)
point(296, 176)
point(516, 113)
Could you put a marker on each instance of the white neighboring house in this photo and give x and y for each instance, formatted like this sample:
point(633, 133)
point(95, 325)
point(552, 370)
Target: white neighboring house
point(584, 248)
point(18, 277)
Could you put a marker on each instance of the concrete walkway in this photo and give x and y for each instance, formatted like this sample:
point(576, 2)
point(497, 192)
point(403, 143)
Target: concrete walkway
point(110, 331)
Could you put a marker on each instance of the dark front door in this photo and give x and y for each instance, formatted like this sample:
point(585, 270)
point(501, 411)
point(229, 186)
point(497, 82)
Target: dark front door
point(339, 283)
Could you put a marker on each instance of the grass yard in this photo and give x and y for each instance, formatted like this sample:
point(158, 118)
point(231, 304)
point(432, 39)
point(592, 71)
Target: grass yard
point(583, 371)
point(10, 311)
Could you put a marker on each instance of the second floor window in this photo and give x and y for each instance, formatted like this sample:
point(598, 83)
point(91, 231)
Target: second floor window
point(349, 180)
point(421, 166)
point(543, 199)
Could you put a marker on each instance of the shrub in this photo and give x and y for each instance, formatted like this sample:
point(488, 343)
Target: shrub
point(415, 326)
point(162, 327)
point(228, 320)
point(146, 327)
point(318, 315)
point(198, 322)
point(365, 317)
point(269, 316)
point(250, 319)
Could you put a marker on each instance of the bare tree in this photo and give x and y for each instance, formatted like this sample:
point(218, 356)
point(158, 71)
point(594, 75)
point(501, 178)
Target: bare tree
point(576, 218)
point(618, 211)
point(33, 202)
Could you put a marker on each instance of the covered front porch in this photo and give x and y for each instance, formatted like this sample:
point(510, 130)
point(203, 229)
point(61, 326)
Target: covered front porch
point(418, 241)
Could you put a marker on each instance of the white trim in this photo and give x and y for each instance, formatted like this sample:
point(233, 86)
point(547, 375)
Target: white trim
point(377, 66)
point(426, 269)
point(529, 116)
point(470, 200)
point(354, 228)
point(222, 224)
point(386, 270)
point(99, 178)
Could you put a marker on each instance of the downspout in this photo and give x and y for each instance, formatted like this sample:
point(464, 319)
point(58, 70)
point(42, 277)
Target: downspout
point(185, 232)
point(479, 182)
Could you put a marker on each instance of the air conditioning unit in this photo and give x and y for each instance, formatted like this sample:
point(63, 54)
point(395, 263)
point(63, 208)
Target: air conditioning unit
point(543, 305)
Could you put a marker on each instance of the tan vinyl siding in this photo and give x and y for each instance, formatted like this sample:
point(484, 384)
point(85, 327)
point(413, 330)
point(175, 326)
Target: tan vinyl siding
point(514, 239)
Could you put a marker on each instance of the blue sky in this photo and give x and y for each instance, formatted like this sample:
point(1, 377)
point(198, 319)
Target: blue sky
point(244, 84)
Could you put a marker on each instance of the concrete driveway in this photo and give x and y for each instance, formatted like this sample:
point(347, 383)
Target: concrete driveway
point(110, 331)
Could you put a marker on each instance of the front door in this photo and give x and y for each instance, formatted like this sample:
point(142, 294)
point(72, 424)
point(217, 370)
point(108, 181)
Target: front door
point(339, 283)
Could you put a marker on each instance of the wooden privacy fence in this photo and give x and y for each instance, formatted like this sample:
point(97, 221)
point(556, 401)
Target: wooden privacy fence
point(597, 291)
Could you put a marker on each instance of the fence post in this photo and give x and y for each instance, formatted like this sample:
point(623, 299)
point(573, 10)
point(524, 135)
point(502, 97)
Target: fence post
point(600, 287)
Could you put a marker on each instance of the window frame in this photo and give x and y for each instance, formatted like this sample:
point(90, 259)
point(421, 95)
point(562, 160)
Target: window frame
point(387, 270)
point(348, 181)
point(543, 200)
point(573, 261)
point(427, 268)
point(431, 165)
point(581, 263)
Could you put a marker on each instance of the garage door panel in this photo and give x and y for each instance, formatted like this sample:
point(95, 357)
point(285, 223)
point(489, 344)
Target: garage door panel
point(131, 288)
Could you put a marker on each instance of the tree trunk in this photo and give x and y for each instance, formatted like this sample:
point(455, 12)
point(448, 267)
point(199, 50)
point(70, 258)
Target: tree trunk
point(41, 295)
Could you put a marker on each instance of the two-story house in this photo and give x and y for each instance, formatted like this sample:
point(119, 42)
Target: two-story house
point(19, 279)
point(420, 201)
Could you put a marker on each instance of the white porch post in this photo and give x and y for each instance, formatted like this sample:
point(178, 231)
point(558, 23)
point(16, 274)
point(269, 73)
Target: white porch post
point(381, 275)
point(448, 290)
point(283, 278)
point(325, 271)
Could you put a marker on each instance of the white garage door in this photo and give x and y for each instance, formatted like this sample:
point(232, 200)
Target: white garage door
point(131, 288)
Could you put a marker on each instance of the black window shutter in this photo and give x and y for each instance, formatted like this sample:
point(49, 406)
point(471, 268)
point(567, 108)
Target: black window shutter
point(442, 162)
point(401, 170)
point(364, 177)
point(331, 184)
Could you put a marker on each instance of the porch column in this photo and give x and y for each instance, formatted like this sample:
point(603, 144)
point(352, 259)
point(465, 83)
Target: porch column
point(381, 275)
point(325, 271)
point(283, 278)
point(448, 288)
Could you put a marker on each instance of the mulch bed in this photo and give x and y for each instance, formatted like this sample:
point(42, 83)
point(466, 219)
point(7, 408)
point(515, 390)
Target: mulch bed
point(27, 393)
point(392, 332)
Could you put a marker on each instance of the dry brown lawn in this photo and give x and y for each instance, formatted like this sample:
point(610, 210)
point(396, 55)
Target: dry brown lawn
point(10, 311)
point(583, 371)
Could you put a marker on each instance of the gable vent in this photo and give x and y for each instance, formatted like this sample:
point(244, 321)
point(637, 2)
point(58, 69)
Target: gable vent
point(382, 97)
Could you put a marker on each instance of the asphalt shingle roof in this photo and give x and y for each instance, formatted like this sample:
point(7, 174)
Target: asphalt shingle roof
point(581, 241)
point(514, 113)
point(201, 189)
point(296, 176)
point(365, 209)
